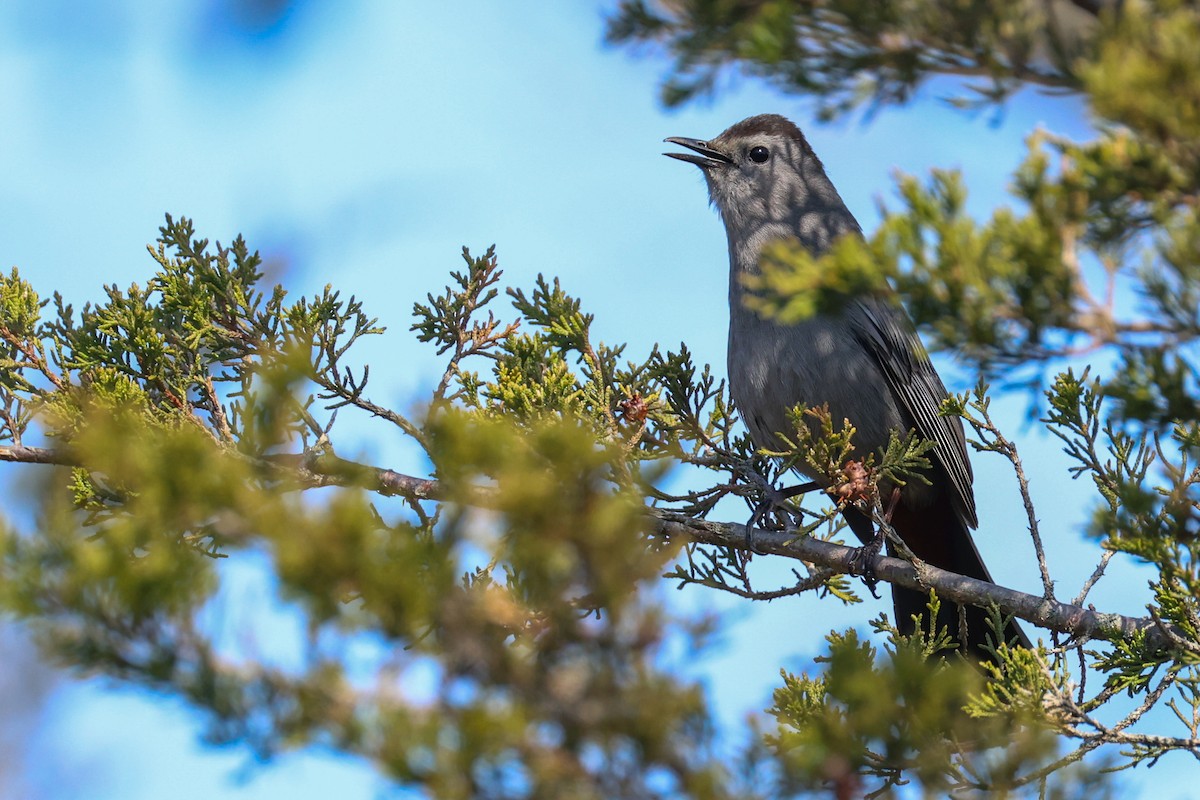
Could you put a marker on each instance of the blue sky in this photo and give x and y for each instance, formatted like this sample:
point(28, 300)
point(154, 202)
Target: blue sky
point(363, 143)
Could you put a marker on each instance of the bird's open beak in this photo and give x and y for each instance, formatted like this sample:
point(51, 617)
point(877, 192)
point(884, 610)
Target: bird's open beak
point(707, 156)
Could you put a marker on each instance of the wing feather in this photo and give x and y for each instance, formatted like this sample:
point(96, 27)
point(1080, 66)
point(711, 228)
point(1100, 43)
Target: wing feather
point(890, 337)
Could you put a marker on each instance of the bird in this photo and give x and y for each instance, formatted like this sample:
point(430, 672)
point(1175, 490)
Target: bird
point(863, 360)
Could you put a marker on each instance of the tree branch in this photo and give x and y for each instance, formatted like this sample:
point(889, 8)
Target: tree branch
point(1079, 622)
point(326, 469)
point(20, 454)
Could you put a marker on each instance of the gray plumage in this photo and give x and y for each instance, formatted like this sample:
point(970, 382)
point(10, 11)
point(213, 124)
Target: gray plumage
point(864, 361)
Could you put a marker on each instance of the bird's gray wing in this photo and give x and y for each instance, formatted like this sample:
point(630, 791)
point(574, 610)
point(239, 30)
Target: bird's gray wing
point(889, 336)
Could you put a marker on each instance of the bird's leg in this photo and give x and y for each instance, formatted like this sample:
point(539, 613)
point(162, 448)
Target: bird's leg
point(891, 506)
point(862, 561)
point(773, 500)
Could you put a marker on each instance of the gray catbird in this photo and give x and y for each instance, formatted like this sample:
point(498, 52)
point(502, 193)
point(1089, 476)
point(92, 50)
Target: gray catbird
point(865, 360)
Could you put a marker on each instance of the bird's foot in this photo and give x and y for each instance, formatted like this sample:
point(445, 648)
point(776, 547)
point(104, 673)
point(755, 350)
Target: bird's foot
point(774, 506)
point(862, 559)
point(862, 562)
point(766, 514)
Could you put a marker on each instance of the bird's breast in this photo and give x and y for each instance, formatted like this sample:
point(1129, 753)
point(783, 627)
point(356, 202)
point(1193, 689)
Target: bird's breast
point(773, 368)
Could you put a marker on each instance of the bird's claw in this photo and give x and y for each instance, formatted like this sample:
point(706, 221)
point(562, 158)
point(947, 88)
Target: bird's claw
point(774, 503)
point(862, 563)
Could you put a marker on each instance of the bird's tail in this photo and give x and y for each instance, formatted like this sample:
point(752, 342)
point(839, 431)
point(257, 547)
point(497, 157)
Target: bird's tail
point(938, 536)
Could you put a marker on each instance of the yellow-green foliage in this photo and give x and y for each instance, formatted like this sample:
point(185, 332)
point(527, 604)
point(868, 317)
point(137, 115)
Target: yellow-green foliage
point(533, 380)
point(1145, 74)
point(545, 642)
point(905, 716)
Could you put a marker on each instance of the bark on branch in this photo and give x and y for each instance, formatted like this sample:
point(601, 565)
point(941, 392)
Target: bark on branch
point(1084, 623)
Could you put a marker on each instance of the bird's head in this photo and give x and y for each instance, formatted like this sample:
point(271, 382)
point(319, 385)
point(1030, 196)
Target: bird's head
point(760, 169)
point(766, 181)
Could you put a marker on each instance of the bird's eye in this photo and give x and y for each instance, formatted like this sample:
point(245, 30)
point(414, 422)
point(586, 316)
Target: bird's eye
point(759, 155)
